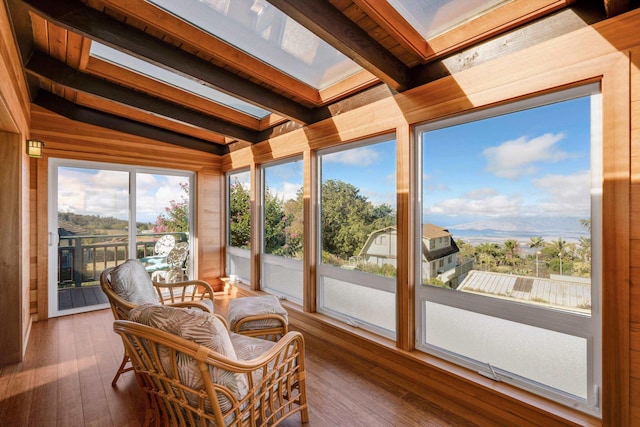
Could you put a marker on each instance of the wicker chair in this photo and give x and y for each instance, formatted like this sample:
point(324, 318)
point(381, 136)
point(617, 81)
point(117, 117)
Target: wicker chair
point(209, 376)
point(160, 251)
point(139, 289)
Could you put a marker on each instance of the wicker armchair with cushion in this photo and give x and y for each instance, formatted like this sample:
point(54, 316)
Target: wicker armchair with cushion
point(129, 285)
point(195, 372)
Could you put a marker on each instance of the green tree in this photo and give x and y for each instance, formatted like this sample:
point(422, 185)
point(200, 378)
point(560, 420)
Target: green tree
point(536, 243)
point(348, 218)
point(239, 216)
point(278, 235)
point(487, 255)
point(559, 251)
point(176, 216)
point(512, 251)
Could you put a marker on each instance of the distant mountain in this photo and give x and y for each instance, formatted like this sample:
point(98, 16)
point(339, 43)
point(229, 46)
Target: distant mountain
point(522, 227)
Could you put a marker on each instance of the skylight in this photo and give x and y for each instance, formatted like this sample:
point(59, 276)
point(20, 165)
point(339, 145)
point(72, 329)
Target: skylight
point(142, 67)
point(269, 35)
point(436, 17)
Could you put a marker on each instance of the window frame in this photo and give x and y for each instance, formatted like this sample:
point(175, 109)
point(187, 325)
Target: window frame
point(576, 324)
point(234, 250)
point(271, 259)
point(357, 278)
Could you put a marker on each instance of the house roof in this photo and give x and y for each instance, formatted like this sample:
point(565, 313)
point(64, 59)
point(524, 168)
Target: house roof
point(431, 231)
point(561, 292)
point(81, 58)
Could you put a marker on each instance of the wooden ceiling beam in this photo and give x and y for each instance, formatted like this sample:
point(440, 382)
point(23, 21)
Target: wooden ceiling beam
point(72, 111)
point(324, 20)
point(76, 17)
point(47, 68)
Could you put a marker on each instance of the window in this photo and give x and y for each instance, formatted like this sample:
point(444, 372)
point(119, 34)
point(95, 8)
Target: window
point(283, 238)
point(102, 214)
point(519, 300)
point(239, 224)
point(356, 277)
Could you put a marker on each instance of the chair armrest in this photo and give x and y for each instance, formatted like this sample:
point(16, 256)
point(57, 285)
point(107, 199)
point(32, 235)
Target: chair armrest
point(290, 345)
point(190, 290)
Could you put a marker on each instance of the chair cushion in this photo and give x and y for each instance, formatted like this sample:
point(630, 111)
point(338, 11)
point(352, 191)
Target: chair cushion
point(131, 282)
point(203, 329)
point(239, 308)
point(248, 348)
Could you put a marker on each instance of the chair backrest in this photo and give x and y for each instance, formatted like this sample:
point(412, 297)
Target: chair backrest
point(194, 372)
point(127, 286)
point(177, 259)
point(178, 254)
point(164, 245)
point(188, 380)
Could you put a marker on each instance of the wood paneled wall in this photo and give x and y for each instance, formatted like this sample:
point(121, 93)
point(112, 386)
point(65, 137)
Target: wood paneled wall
point(68, 139)
point(602, 53)
point(12, 325)
point(634, 302)
point(15, 321)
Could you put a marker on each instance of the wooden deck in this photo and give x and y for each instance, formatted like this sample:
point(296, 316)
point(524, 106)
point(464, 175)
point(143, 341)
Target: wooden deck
point(84, 296)
point(65, 380)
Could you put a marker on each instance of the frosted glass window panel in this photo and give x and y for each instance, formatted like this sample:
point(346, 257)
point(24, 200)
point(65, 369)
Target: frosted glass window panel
point(269, 35)
point(552, 358)
point(359, 303)
point(238, 264)
point(283, 277)
point(432, 18)
point(176, 80)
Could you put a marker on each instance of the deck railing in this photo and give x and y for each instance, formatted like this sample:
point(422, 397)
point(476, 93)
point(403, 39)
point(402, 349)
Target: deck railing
point(81, 258)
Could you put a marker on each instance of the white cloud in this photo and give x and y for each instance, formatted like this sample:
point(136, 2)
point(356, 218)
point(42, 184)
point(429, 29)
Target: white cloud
point(480, 202)
point(516, 158)
point(565, 194)
point(106, 193)
point(286, 190)
point(364, 156)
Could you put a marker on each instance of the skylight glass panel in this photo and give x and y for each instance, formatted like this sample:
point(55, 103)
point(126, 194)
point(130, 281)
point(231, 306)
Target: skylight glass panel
point(266, 33)
point(176, 80)
point(435, 17)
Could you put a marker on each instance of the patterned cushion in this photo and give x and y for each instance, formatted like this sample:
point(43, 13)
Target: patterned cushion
point(203, 329)
point(239, 308)
point(132, 283)
point(248, 348)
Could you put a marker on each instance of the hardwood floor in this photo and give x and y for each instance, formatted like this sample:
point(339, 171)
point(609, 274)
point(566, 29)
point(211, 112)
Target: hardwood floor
point(65, 380)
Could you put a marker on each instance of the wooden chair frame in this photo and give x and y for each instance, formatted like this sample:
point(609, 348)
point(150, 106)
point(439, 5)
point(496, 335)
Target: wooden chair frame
point(190, 293)
point(276, 380)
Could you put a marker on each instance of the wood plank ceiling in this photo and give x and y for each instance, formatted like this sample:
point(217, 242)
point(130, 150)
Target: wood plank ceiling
point(55, 38)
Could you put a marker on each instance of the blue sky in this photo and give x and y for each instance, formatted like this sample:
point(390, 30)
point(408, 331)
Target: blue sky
point(532, 163)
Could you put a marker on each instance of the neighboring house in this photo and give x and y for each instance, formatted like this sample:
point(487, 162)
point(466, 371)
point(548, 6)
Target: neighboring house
point(380, 247)
point(439, 254)
point(439, 251)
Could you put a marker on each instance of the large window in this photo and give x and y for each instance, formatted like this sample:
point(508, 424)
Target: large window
point(282, 212)
point(510, 244)
point(239, 225)
point(102, 214)
point(356, 276)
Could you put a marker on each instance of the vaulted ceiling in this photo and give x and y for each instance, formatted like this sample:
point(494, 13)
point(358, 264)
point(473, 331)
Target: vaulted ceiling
point(213, 75)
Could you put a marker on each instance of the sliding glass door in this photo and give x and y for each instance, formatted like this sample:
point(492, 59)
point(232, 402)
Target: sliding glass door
point(100, 215)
